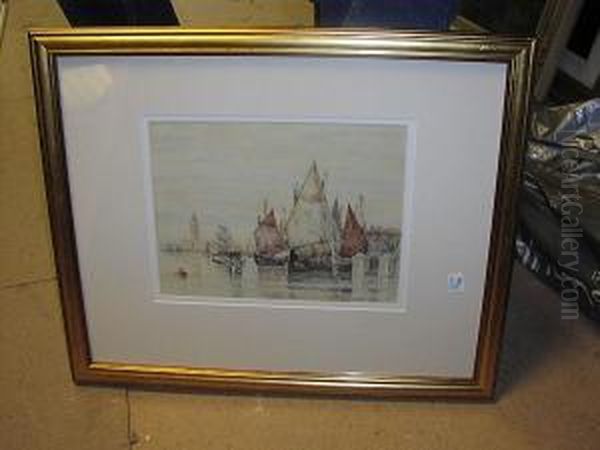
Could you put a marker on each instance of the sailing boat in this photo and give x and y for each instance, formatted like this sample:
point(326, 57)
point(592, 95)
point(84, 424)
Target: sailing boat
point(312, 235)
point(270, 246)
point(354, 238)
point(223, 250)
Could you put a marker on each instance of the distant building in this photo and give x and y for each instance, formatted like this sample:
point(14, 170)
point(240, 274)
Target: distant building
point(194, 242)
point(383, 240)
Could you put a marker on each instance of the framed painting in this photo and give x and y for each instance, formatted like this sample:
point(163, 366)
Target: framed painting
point(298, 211)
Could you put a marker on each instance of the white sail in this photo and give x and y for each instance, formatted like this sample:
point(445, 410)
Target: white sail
point(310, 222)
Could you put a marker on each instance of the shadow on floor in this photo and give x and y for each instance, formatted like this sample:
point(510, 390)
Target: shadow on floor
point(535, 331)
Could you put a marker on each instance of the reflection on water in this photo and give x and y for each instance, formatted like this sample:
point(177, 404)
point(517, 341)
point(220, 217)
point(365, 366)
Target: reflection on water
point(195, 274)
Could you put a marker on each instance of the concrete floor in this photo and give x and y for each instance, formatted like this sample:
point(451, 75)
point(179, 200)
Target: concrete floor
point(549, 390)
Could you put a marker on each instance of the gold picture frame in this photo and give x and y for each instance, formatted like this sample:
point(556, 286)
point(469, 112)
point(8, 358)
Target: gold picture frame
point(3, 14)
point(551, 31)
point(515, 54)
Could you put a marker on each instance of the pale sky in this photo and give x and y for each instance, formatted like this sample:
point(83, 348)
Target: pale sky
point(223, 171)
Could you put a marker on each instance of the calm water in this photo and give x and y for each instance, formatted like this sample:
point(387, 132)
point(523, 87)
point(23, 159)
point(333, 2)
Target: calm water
point(206, 278)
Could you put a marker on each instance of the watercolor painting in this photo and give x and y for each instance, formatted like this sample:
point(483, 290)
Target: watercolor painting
point(278, 210)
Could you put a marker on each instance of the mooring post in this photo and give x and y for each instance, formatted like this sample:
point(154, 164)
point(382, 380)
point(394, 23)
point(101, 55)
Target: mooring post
point(383, 271)
point(358, 275)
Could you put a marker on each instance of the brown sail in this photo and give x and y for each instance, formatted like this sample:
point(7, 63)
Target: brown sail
point(354, 238)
